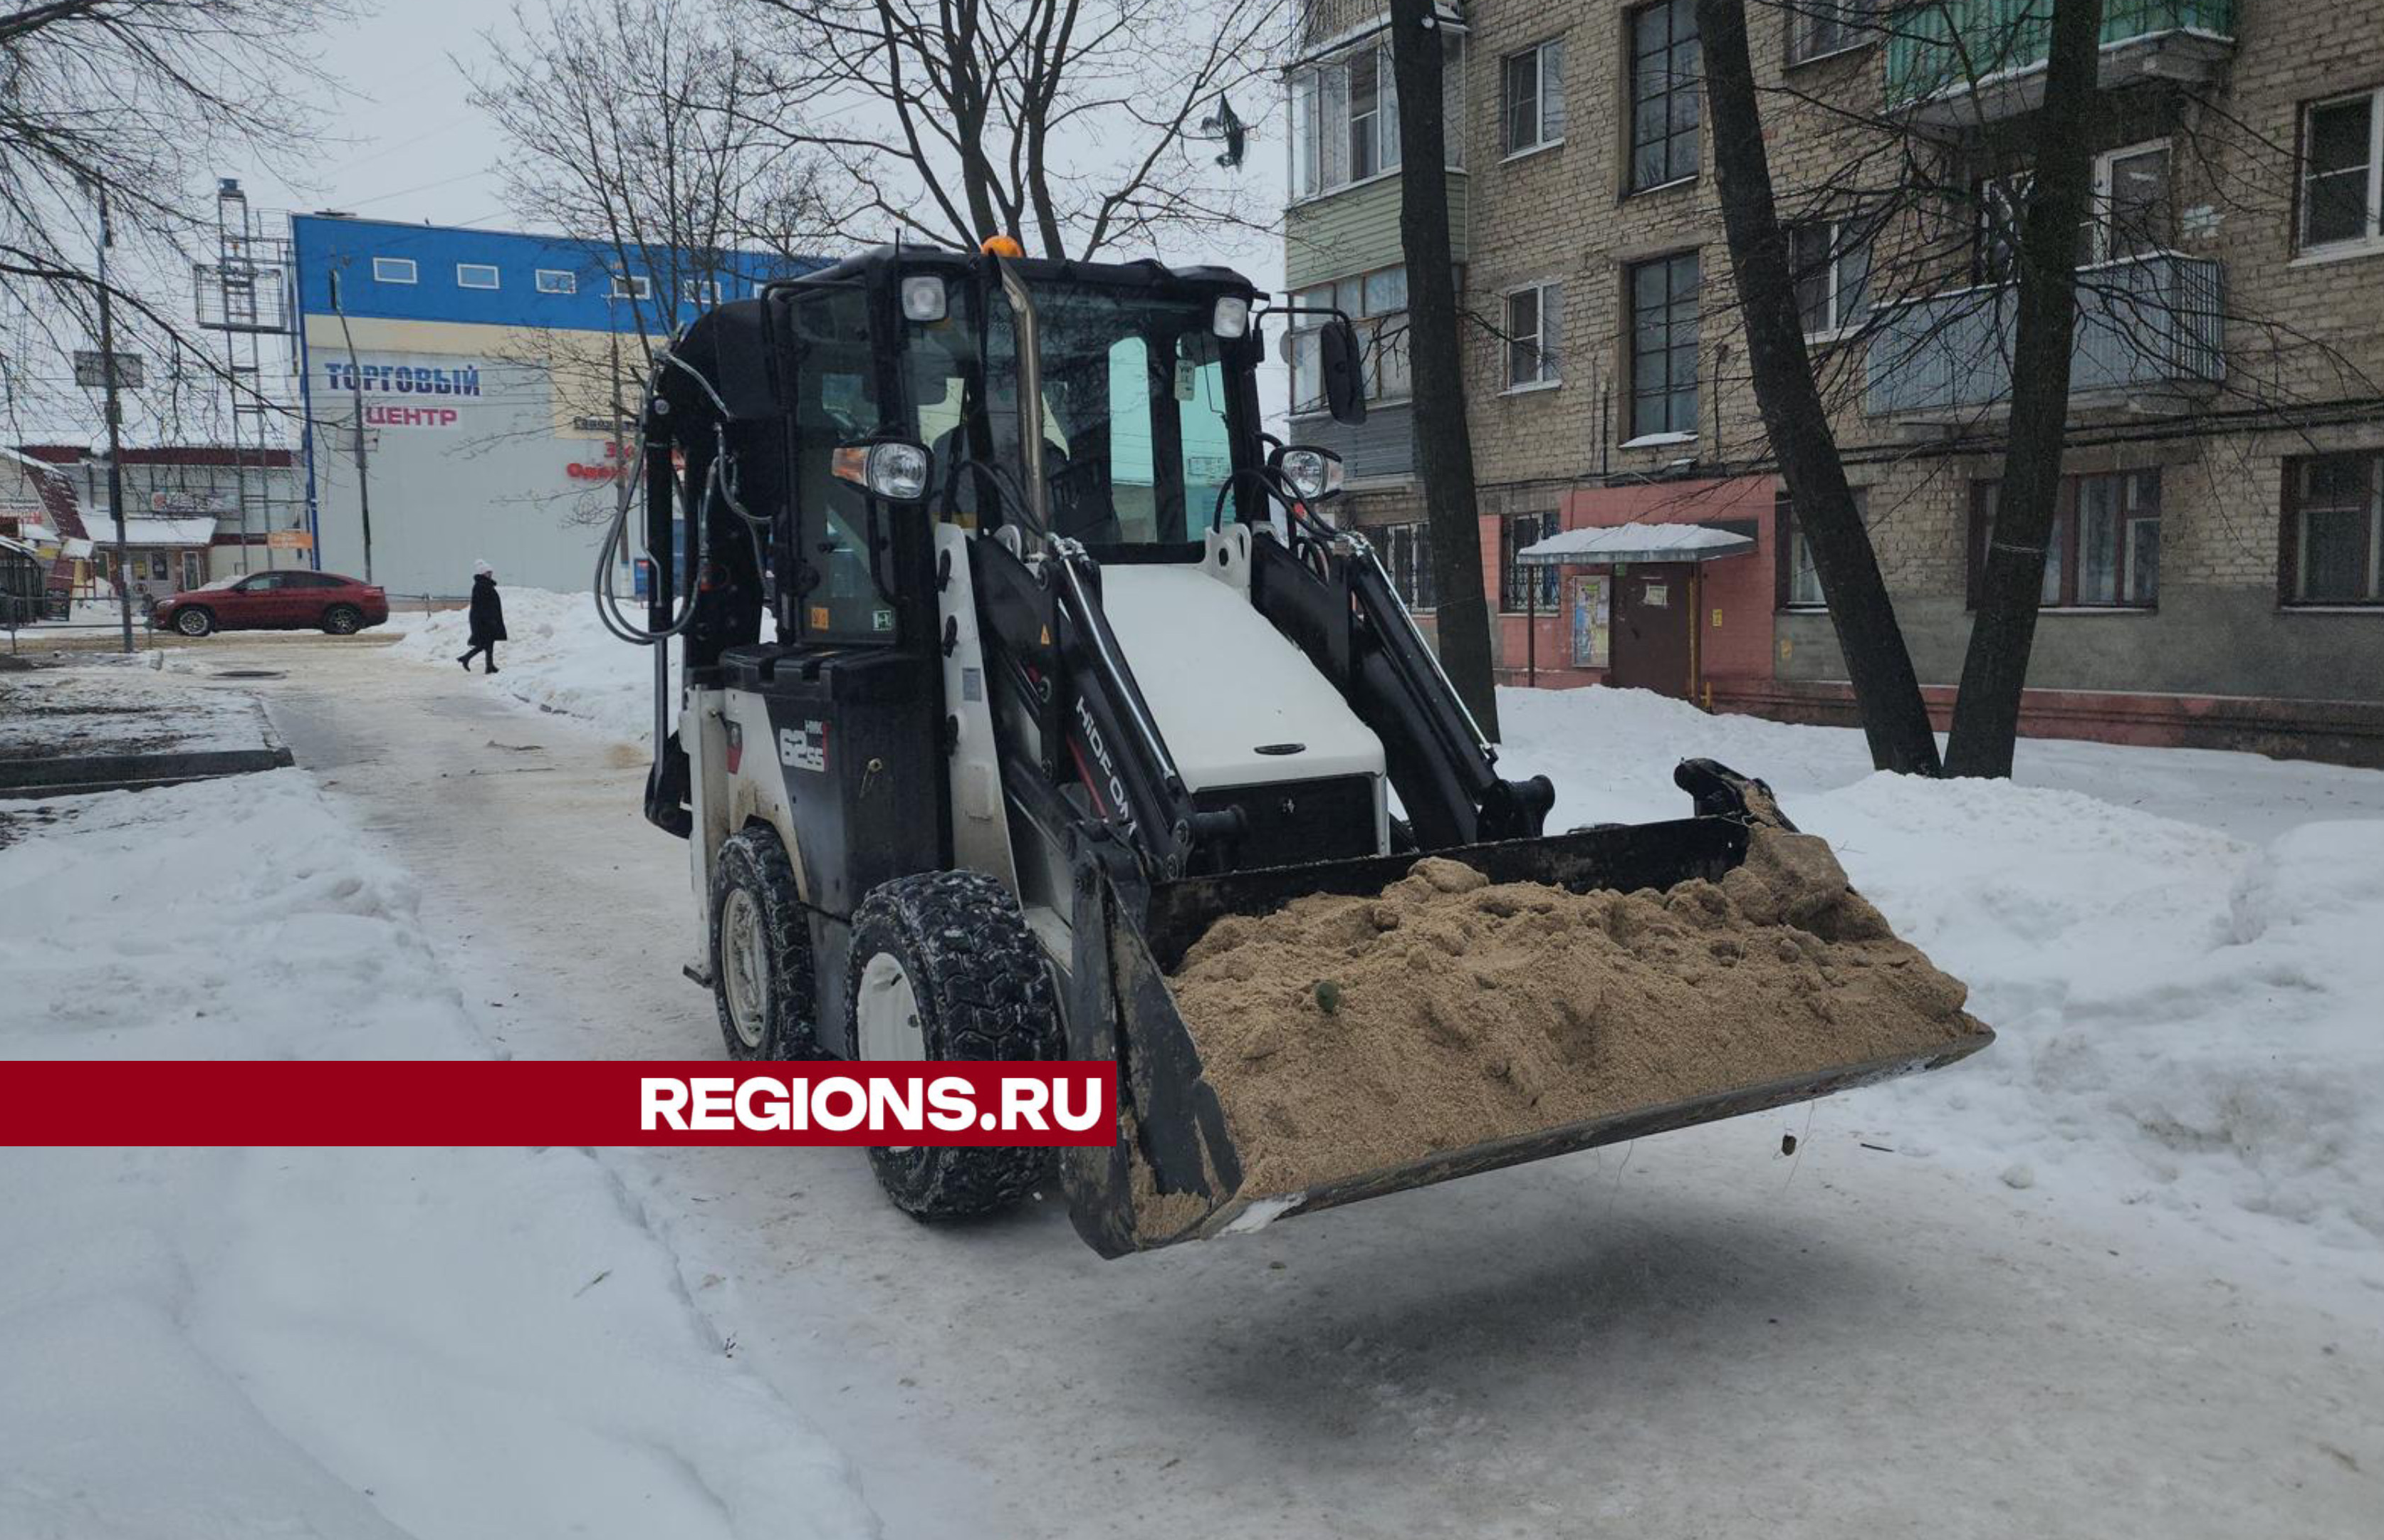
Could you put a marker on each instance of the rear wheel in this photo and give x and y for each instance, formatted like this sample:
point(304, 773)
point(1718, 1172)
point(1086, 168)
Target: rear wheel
point(341, 620)
point(761, 951)
point(193, 621)
point(944, 967)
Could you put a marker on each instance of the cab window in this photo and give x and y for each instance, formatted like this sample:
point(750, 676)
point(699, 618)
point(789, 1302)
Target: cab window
point(835, 593)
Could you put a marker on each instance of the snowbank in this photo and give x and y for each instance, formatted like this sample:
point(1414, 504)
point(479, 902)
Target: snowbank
point(329, 1342)
point(2186, 1006)
point(560, 659)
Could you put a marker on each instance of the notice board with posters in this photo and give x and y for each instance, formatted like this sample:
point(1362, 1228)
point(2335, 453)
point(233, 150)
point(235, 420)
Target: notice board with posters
point(1593, 617)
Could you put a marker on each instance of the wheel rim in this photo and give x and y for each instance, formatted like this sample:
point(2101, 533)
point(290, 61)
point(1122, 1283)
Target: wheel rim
point(341, 622)
point(886, 1011)
point(191, 624)
point(745, 968)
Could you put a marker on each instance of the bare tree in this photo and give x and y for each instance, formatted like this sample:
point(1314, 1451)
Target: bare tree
point(1986, 711)
point(644, 128)
point(138, 102)
point(1073, 127)
point(1990, 266)
point(1887, 692)
point(1443, 441)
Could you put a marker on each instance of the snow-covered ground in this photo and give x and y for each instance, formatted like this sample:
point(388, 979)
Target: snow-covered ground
point(560, 658)
point(2118, 1275)
point(2168, 940)
point(121, 705)
point(329, 1342)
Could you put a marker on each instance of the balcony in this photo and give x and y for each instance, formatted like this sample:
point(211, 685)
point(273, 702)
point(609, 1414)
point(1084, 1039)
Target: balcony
point(1380, 450)
point(1955, 62)
point(2151, 333)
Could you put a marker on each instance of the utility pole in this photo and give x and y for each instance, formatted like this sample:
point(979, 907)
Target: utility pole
point(356, 394)
point(115, 447)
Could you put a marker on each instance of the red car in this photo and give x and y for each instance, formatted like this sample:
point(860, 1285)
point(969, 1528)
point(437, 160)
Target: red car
point(287, 599)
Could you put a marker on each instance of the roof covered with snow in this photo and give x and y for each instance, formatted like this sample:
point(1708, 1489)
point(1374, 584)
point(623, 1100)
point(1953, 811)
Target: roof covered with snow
point(155, 529)
point(1636, 542)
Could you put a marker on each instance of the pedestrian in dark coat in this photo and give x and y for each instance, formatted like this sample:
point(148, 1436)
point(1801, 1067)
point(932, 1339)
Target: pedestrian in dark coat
point(487, 618)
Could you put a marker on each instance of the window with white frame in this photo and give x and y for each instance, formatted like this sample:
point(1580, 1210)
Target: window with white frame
point(1532, 98)
point(1819, 28)
point(1830, 261)
point(2131, 213)
point(1535, 336)
point(1665, 106)
point(1345, 121)
point(1376, 303)
point(698, 290)
point(1663, 297)
point(392, 269)
point(624, 287)
point(2342, 172)
point(475, 274)
point(557, 281)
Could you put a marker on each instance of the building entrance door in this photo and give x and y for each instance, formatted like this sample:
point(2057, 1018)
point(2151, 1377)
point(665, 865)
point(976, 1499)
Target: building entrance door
point(1654, 613)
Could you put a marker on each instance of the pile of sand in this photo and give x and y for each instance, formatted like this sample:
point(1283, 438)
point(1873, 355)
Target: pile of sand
point(1345, 1035)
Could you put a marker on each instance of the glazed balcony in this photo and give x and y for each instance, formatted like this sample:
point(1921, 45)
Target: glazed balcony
point(1955, 62)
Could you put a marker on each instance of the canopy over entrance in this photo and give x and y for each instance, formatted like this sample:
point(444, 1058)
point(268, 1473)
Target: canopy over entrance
point(1634, 543)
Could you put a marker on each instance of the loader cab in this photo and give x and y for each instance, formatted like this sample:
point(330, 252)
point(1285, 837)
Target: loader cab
point(1143, 415)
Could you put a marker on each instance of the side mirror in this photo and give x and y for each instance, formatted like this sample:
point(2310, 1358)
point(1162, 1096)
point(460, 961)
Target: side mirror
point(1344, 372)
point(1314, 474)
point(895, 470)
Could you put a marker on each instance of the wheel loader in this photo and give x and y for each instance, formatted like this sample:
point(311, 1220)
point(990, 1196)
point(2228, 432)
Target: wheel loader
point(1065, 662)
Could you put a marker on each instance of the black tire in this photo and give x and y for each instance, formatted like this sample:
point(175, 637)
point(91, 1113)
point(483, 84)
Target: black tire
point(193, 621)
point(982, 992)
point(344, 620)
point(770, 1015)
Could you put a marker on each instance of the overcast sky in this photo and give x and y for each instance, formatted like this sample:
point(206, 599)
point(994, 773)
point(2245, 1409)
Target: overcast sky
point(401, 140)
point(403, 143)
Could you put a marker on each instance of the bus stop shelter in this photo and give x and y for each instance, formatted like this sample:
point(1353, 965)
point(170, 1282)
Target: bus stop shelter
point(1653, 597)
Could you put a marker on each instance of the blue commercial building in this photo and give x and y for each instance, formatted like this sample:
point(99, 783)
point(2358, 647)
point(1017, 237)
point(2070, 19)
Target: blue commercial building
point(489, 368)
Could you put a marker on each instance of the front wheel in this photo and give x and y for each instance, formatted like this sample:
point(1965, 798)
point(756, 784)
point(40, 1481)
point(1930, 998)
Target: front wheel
point(341, 620)
point(943, 967)
point(761, 951)
point(195, 622)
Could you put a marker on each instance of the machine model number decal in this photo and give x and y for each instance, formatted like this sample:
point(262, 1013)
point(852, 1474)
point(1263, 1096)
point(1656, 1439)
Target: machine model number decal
point(804, 748)
point(1110, 785)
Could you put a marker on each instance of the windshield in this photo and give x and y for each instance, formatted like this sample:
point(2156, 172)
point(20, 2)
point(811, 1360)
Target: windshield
point(1135, 403)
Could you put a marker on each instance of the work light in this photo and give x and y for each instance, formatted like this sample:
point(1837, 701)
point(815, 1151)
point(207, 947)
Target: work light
point(896, 469)
point(1232, 318)
point(1313, 473)
point(923, 298)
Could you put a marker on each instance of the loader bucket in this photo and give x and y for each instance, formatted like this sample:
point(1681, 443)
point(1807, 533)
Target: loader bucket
point(1180, 1169)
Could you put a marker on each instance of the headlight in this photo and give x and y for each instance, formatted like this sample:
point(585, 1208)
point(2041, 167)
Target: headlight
point(1313, 473)
point(1233, 316)
point(896, 469)
point(923, 298)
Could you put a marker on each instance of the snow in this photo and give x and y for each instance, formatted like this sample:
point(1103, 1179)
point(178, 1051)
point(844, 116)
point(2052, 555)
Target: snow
point(2187, 1013)
point(119, 704)
point(560, 658)
point(1927, 1318)
point(335, 1343)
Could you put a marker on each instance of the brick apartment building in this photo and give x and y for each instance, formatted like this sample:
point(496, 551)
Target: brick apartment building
point(2217, 574)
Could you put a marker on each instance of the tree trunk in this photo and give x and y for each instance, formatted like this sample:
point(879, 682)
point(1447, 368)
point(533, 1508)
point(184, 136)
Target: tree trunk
point(1986, 714)
point(1444, 443)
point(1887, 693)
